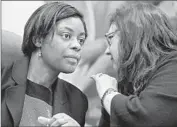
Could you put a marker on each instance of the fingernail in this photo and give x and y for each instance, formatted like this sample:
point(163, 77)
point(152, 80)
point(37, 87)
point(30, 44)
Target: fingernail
point(93, 76)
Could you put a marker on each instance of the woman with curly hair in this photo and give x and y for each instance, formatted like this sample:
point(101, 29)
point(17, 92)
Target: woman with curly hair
point(143, 50)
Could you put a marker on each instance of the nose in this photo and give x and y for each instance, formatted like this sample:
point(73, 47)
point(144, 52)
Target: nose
point(107, 51)
point(75, 45)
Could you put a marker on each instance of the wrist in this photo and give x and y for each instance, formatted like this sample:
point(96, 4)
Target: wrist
point(107, 92)
point(108, 100)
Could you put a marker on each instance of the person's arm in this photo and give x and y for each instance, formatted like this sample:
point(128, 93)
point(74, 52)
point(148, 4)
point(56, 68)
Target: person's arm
point(108, 99)
point(155, 106)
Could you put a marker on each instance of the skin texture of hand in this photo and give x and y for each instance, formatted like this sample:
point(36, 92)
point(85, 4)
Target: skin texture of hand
point(58, 120)
point(104, 82)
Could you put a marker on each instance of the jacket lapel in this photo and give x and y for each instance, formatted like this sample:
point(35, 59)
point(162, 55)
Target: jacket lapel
point(15, 94)
point(61, 104)
point(14, 100)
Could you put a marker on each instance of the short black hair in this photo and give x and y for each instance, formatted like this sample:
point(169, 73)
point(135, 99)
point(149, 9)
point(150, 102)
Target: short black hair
point(43, 21)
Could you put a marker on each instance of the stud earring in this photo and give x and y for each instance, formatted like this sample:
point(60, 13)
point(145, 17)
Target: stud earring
point(40, 53)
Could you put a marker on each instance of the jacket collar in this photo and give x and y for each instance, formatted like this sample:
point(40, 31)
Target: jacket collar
point(20, 70)
point(16, 94)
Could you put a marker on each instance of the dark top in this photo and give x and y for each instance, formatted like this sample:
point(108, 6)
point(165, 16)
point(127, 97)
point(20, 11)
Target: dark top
point(156, 105)
point(40, 92)
point(66, 97)
point(37, 102)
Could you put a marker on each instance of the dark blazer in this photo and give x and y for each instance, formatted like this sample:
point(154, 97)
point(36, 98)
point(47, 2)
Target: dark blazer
point(67, 98)
point(155, 106)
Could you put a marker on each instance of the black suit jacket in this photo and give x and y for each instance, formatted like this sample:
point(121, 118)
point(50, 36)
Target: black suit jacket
point(67, 98)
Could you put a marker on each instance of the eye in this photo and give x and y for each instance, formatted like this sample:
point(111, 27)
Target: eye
point(81, 41)
point(110, 37)
point(66, 36)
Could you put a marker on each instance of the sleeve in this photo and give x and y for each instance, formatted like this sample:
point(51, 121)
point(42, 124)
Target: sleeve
point(155, 106)
point(105, 119)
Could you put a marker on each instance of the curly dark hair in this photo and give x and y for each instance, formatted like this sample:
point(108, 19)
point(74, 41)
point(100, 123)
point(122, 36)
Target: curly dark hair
point(146, 36)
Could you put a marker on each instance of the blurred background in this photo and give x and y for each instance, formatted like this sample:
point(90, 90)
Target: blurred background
point(16, 13)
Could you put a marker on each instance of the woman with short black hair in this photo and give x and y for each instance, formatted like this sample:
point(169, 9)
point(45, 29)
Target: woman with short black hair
point(32, 94)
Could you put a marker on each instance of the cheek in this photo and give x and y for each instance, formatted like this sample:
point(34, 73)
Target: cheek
point(114, 51)
point(53, 52)
point(115, 55)
point(57, 47)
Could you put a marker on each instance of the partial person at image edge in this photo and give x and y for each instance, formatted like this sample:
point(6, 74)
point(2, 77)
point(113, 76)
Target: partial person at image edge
point(143, 50)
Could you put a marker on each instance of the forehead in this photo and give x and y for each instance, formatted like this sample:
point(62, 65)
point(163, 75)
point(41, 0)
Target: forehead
point(112, 28)
point(73, 23)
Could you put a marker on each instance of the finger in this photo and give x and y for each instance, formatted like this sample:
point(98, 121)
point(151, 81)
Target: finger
point(58, 116)
point(93, 77)
point(99, 74)
point(55, 124)
point(70, 125)
point(66, 125)
point(59, 122)
point(51, 121)
point(43, 120)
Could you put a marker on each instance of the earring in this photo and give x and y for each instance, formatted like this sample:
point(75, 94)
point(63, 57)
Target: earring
point(39, 53)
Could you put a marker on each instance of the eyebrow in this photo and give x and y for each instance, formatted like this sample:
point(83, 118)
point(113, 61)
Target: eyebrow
point(107, 34)
point(69, 29)
point(83, 34)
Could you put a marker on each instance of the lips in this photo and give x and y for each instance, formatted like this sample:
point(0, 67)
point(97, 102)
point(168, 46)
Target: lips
point(73, 57)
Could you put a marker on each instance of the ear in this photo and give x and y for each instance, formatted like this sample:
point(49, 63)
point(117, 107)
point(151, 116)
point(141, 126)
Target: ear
point(37, 42)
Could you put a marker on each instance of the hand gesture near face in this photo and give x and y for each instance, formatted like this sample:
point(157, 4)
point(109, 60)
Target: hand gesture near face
point(104, 82)
point(58, 120)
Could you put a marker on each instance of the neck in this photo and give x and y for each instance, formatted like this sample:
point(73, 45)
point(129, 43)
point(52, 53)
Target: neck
point(78, 77)
point(40, 73)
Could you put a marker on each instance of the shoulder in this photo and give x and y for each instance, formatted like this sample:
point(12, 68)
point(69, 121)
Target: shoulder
point(6, 69)
point(6, 74)
point(167, 63)
point(165, 71)
point(6, 65)
point(169, 59)
point(74, 91)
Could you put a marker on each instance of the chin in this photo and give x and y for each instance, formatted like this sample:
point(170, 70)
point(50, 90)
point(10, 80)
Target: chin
point(115, 67)
point(69, 69)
